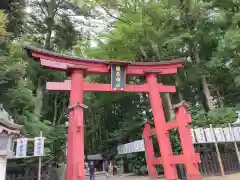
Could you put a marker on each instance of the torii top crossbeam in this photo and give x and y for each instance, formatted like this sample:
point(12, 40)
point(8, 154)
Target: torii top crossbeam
point(61, 62)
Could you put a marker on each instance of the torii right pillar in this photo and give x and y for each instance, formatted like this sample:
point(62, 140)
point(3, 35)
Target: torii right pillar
point(167, 158)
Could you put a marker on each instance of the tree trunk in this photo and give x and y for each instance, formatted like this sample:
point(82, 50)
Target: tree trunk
point(39, 100)
point(61, 171)
point(48, 38)
point(168, 106)
point(55, 109)
point(206, 91)
point(49, 20)
point(219, 97)
point(177, 82)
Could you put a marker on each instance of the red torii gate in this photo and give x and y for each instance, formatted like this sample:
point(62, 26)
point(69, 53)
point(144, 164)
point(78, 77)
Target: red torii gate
point(77, 67)
point(188, 156)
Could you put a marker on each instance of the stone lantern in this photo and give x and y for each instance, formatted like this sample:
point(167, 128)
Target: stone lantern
point(8, 132)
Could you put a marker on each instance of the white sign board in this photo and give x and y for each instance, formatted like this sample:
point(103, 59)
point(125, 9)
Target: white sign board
point(205, 135)
point(21, 150)
point(200, 136)
point(136, 146)
point(38, 146)
point(209, 135)
point(193, 136)
point(236, 132)
point(228, 134)
point(219, 134)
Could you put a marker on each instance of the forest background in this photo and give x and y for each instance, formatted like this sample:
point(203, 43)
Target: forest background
point(205, 32)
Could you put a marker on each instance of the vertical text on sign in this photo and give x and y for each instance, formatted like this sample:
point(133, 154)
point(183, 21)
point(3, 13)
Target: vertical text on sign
point(118, 76)
point(219, 134)
point(21, 150)
point(39, 146)
point(209, 135)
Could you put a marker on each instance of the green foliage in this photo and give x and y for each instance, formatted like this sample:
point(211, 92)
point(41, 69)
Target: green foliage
point(3, 22)
point(205, 32)
point(14, 10)
point(66, 35)
point(137, 163)
point(218, 116)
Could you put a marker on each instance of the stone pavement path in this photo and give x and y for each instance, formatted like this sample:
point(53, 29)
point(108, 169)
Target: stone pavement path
point(119, 178)
point(102, 177)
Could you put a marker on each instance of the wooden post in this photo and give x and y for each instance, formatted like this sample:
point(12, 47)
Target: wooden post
point(235, 143)
point(149, 152)
point(122, 165)
point(170, 170)
point(218, 153)
point(75, 149)
point(40, 162)
point(183, 119)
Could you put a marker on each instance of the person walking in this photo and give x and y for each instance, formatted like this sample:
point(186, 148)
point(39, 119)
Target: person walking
point(92, 170)
point(86, 166)
point(114, 167)
point(106, 166)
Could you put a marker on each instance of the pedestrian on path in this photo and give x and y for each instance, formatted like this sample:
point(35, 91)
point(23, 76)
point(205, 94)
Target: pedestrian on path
point(114, 167)
point(92, 170)
point(106, 166)
point(86, 166)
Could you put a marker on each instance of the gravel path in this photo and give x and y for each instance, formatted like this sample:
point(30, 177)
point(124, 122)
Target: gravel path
point(102, 177)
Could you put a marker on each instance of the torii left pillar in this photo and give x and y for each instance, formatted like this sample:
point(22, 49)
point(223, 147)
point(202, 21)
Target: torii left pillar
point(75, 164)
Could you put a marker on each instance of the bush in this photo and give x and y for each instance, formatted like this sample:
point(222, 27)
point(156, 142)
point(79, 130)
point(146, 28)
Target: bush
point(223, 115)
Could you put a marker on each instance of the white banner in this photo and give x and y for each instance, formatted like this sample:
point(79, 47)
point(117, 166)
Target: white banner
point(21, 150)
point(38, 146)
point(136, 146)
point(200, 137)
point(209, 135)
point(228, 134)
point(205, 135)
point(193, 136)
point(219, 134)
point(236, 132)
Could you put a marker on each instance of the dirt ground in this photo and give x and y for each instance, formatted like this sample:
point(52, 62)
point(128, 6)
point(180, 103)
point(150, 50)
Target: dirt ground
point(227, 177)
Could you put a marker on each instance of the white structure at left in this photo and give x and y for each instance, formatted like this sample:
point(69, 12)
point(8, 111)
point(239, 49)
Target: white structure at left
point(8, 132)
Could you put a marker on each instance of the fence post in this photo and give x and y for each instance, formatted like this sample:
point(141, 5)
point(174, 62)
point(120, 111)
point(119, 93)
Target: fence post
point(235, 143)
point(40, 163)
point(217, 150)
point(149, 151)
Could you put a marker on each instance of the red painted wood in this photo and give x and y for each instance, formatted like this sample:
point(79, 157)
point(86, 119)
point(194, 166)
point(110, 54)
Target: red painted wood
point(94, 68)
point(192, 168)
point(59, 86)
point(170, 171)
point(93, 87)
point(149, 150)
point(98, 68)
point(168, 126)
point(75, 156)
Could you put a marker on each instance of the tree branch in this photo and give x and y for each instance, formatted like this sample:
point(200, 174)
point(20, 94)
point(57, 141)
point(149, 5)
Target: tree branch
point(40, 5)
point(122, 20)
point(57, 6)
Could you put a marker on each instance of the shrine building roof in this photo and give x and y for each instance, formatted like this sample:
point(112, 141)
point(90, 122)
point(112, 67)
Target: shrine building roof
point(7, 123)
